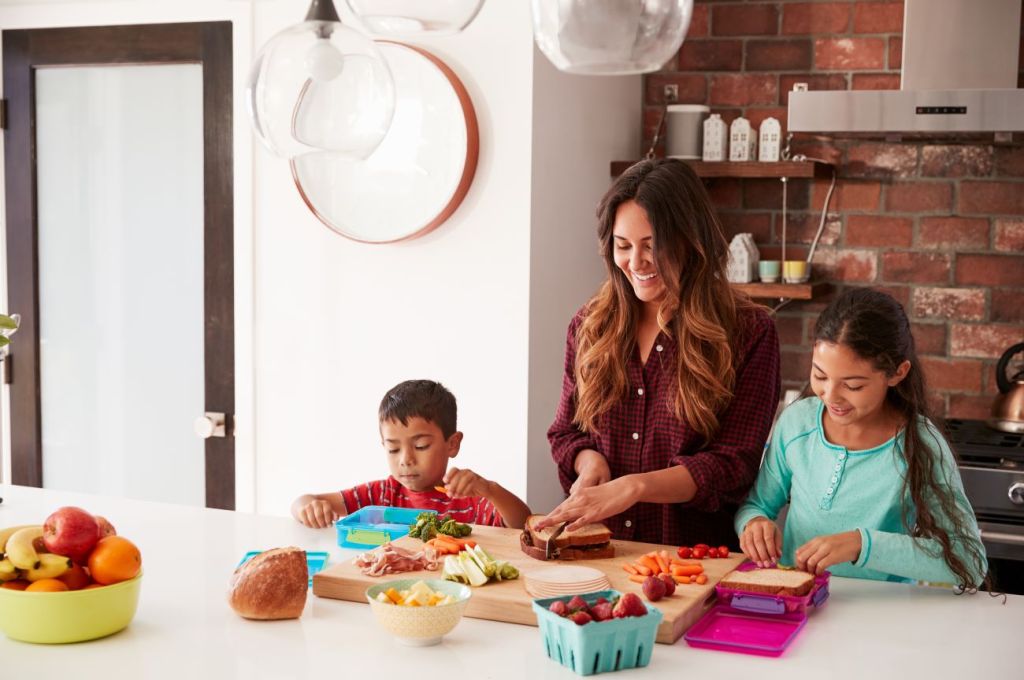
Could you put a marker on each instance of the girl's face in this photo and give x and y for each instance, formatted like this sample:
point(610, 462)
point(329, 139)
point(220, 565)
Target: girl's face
point(634, 251)
point(851, 387)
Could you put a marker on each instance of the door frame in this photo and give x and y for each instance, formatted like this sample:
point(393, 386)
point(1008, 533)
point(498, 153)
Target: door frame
point(24, 50)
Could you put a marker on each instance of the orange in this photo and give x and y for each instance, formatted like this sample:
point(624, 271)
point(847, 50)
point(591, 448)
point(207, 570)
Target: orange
point(94, 585)
point(76, 577)
point(114, 559)
point(47, 585)
point(15, 585)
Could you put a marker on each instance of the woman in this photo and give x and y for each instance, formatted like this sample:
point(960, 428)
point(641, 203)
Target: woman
point(671, 376)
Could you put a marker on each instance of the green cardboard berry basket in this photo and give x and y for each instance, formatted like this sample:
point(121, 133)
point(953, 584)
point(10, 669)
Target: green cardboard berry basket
point(598, 646)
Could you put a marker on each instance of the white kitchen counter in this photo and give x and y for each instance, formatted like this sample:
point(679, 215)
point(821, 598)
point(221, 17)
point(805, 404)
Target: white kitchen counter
point(185, 629)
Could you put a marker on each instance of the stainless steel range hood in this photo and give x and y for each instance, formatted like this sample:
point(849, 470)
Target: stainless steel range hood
point(959, 76)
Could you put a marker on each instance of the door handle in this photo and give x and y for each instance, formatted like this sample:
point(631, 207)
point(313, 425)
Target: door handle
point(211, 424)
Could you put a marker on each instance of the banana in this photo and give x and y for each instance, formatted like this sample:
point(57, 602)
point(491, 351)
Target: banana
point(8, 572)
point(10, 531)
point(50, 566)
point(20, 550)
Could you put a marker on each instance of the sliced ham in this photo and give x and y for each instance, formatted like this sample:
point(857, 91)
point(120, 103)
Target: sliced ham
point(390, 559)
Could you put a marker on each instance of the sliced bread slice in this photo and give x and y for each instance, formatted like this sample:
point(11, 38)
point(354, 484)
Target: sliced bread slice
point(770, 581)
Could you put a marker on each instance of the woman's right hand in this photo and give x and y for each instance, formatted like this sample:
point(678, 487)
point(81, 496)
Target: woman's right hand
point(761, 541)
point(591, 470)
point(317, 514)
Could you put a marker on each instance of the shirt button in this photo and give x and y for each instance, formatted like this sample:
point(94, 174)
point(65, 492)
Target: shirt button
point(838, 465)
point(640, 391)
point(842, 456)
point(659, 348)
point(834, 478)
point(628, 523)
point(830, 490)
point(636, 435)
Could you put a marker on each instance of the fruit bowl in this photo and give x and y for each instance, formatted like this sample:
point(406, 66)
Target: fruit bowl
point(419, 626)
point(72, 616)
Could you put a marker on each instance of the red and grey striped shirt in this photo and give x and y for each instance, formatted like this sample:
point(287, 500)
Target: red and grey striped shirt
point(643, 434)
point(390, 492)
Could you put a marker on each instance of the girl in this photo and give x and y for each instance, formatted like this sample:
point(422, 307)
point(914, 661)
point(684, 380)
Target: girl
point(872, 486)
point(671, 376)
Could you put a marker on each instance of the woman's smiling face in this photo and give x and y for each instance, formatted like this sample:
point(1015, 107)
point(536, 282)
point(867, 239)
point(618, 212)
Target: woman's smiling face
point(634, 251)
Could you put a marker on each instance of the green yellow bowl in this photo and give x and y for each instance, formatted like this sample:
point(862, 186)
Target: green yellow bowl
point(72, 616)
point(419, 626)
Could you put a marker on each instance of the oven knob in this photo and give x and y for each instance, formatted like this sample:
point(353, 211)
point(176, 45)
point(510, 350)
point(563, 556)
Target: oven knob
point(1016, 493)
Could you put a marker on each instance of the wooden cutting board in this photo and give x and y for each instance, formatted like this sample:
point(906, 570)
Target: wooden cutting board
point(508, 600)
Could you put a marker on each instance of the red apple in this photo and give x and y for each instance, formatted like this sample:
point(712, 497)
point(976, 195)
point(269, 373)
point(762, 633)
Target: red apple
point(71, 532)
point(106, 528)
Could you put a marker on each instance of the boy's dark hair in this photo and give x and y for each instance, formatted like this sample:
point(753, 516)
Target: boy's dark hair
point(420, 399)
point(876, 328)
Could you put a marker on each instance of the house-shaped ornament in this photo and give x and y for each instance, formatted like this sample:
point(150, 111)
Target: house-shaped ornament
point(743, 259)
point(769, 145)
point(716, 138)
point(742, 141)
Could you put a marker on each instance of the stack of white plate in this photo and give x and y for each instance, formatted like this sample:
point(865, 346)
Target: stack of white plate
point(565, 580)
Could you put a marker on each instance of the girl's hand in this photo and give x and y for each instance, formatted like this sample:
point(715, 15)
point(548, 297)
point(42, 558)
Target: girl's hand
point(317, 514)
point(594, 503)
point(591, 470)
point(465, 483)
point(818, 554)
point(761, 541)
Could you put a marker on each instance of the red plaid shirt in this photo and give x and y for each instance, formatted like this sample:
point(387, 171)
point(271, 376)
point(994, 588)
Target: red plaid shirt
point(642, 434)
point(390, 492)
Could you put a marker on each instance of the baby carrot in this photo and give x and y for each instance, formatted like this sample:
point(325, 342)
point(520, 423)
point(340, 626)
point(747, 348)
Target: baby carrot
point(701, 579)
point(629, 569)
point(650, 564)
point(687, 571)
point(681, 579)
point(637, 579)
point(662, 565)
point(644, 570)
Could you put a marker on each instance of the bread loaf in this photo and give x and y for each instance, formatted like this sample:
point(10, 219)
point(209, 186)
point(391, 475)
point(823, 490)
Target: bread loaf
point(770, 581)
point(272, 585)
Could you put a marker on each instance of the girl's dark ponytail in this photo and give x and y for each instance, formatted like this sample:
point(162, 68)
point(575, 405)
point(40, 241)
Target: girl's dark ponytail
point(876, 328)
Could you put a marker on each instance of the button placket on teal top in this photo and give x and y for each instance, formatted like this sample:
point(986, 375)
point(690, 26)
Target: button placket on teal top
point(842, 455)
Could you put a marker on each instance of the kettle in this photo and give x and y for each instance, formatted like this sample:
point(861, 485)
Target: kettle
point(1008, 409)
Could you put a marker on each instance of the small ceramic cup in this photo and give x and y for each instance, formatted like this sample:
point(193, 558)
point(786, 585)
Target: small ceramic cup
point(769, 270)
point(795, 271)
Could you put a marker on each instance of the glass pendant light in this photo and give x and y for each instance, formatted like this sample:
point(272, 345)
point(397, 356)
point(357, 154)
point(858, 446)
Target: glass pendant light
point(320, 86)
point(412, 17)
point(610, 37)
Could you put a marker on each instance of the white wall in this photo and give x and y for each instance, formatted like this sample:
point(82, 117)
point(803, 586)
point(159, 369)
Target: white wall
point(325, 326)
point(580, 123)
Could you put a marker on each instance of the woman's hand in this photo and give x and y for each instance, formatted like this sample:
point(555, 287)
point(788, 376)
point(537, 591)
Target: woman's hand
point(594, 503)
point(317, 514)
point(591, 470)
point(761, 541)
point(818, 554)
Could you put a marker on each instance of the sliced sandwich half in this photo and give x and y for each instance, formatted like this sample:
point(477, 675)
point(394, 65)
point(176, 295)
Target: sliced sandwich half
point(770, 581)
point(592, 541)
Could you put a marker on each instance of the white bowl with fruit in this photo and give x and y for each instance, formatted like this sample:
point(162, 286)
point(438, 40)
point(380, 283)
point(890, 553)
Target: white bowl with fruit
point(69, 579)
point(418, 612)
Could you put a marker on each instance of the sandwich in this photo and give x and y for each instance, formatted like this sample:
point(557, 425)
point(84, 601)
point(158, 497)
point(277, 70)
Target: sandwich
point(770, 581)
point(592, 541)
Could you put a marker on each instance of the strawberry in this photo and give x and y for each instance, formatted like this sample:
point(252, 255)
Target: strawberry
point(629, 605)
point(600, 600)
point(580, 618)
point(577, 603)
point(602, 611)
point(670, 584)
point(558, 607)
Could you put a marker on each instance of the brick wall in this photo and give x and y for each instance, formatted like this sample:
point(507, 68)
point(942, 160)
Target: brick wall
point(938, 225)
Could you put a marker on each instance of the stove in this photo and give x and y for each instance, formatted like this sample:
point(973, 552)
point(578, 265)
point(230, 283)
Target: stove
point(992, 469)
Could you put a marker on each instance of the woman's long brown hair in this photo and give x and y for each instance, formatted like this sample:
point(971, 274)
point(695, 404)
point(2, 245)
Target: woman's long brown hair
point(875, 327)
point(700, 309)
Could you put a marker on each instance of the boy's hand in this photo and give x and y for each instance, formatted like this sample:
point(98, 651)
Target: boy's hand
point(818, 554)
point(465, 483)
point(761, 541)
point(317, 514)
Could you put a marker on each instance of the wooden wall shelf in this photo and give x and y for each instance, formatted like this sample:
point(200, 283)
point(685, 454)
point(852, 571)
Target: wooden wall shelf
point(793, 169)
point(791, 291)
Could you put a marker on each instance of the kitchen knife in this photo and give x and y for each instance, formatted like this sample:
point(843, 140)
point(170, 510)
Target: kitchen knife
point(550, 552)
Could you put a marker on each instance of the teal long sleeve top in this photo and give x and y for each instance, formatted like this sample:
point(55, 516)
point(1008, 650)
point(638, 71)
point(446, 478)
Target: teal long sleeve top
point(831, 489)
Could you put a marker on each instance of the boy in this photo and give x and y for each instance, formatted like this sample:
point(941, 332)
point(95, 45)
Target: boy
point(417, 429)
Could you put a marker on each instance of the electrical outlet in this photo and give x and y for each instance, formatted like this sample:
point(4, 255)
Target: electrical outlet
point(670, 93)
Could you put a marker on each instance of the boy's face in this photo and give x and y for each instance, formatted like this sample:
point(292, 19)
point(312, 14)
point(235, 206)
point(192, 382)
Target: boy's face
point(418, 453)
